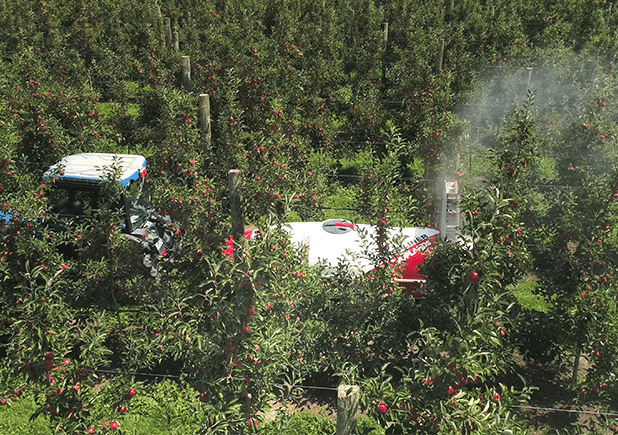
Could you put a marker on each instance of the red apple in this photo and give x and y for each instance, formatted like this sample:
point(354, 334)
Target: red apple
point(473, 276)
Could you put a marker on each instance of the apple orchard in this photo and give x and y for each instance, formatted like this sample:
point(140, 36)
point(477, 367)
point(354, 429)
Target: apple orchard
point(354, 110)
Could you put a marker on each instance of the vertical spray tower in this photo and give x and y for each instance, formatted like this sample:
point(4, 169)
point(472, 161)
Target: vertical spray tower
point(450, 215)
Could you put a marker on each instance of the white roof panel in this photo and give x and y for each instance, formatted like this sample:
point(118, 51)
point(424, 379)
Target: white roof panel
point(97, 166)
point(328, 247)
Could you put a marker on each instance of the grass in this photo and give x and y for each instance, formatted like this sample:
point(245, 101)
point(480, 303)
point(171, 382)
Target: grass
point(148, 416)
point(15, 418)
point(164, 410)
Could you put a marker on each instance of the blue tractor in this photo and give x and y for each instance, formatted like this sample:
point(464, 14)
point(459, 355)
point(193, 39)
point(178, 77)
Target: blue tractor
point(78, 183)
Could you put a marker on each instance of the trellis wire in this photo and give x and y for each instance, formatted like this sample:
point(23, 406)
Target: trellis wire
point(316, 387)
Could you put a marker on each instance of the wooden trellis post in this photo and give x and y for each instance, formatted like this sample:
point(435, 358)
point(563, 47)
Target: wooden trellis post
point(176, 40)
point(347, 408)
point(186, 73)
point(168, 32)
point(204, 103)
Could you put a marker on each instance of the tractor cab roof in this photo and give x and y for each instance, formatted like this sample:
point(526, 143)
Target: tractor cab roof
point(95, 168)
